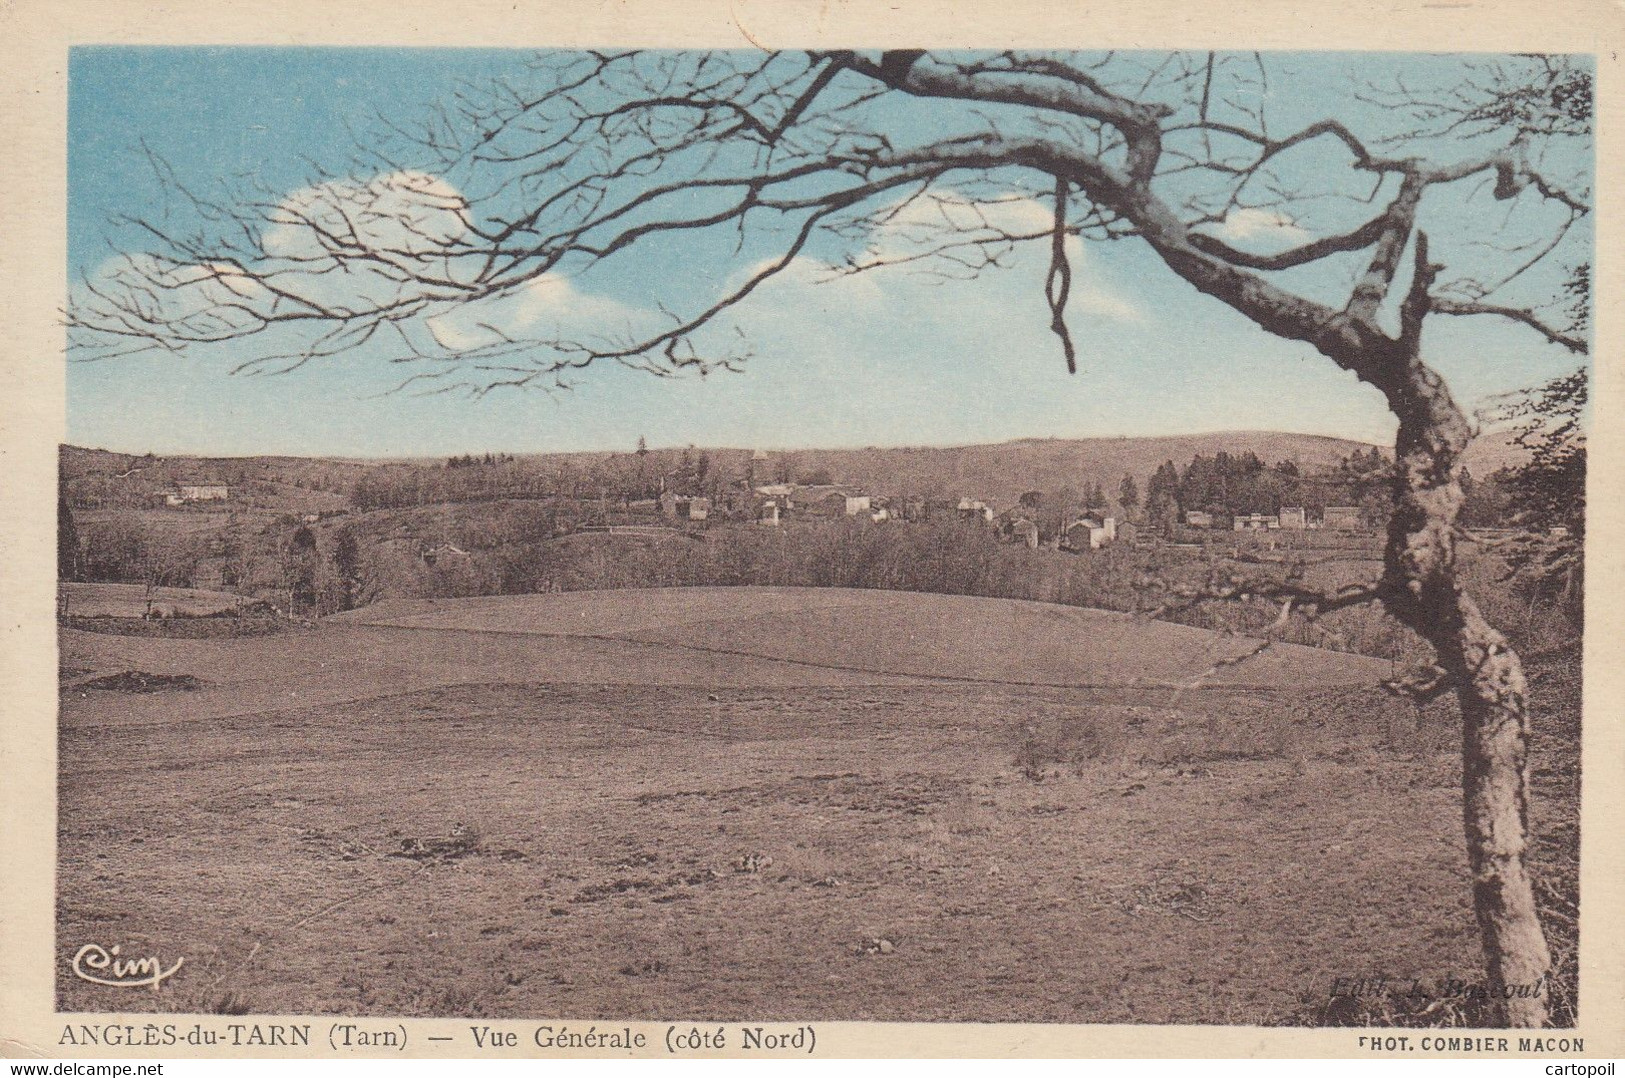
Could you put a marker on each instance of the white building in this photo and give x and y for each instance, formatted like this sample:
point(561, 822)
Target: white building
point(1100, 532)
point(204, 492)
point(969, 507)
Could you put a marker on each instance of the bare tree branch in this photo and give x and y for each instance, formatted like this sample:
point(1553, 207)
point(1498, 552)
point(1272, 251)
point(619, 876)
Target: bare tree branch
point(1528, 318)
point(1058, 286)
point(443, 226)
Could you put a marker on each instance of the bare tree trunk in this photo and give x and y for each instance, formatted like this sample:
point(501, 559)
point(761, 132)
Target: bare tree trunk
point(1495, 782)
point(1422, 590)
point(1419, 585)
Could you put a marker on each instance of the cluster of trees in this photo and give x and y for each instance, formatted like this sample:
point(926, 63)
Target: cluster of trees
point(318, 581)
point(1090, 497)
point(1545, 497)
point(942, 555)
point(67, 541)
point(692, 475)
point(609, 478)
point(402, 486)
point(1549, 422)
point(612, 478)
point(1227, 484)
point(469, 460)
point(123, 550)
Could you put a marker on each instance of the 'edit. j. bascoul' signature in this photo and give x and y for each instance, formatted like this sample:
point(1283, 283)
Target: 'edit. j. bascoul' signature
point(98, 965)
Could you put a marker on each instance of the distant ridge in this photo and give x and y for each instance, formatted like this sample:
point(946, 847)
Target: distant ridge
point(998, 472)
point(1002, 471)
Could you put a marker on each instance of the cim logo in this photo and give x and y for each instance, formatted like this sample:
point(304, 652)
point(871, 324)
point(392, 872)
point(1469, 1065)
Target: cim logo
point(98, 965)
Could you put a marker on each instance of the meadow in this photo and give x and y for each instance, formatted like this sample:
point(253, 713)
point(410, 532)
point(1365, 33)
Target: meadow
point(709, 803)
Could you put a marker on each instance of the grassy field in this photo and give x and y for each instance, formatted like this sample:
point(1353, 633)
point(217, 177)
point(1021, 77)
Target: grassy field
point(953, 637)
point(763, 802)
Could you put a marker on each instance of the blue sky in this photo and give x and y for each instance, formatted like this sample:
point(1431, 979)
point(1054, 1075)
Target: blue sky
point(889, 358)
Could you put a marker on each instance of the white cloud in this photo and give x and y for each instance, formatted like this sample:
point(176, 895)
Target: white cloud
point(207, 297)
point(390, 216)
point(1255, 223)
point(415, 223)
point(551, 306)
point(353, 246)
point(913, 228)
point(810, 282)
point(1101, 303)
point(398, 218)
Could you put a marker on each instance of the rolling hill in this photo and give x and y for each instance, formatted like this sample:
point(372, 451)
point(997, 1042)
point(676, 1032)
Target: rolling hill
point(997, 473)
point(1000, 473)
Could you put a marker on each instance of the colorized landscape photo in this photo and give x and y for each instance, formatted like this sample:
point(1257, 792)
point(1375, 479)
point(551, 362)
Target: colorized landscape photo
point(966, 536)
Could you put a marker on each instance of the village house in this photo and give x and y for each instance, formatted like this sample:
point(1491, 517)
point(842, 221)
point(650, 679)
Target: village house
point(683, 507)
point(818, 499)
point(1256, 522)
point(1196, 518)
point(204, 492)
point(829, 501)
point(184, 493)
point(776, 490)
point(970, 509)
point(1024, 531)
point(1293, 518)
point(1089, 533)
point(757, 465)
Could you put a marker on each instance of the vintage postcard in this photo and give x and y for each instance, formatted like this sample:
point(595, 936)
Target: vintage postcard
point(788, 530)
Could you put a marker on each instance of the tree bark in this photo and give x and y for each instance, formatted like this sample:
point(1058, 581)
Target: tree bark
point(1495, 784)
point(1422, 590)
